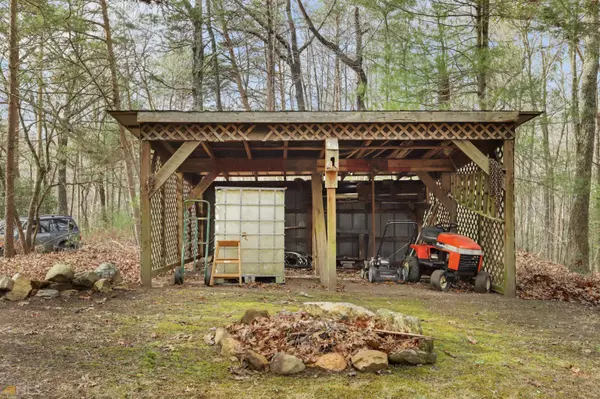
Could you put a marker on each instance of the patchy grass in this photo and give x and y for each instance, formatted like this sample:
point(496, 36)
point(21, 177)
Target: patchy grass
point(149, 343)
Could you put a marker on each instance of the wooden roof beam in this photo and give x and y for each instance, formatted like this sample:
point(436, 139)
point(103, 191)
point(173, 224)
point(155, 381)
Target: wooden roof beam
point(303, 165)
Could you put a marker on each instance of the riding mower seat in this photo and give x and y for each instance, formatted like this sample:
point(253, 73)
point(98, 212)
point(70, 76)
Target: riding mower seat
point(430, 234)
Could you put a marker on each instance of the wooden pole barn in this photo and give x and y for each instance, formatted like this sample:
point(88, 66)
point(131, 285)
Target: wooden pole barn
point(465, 160)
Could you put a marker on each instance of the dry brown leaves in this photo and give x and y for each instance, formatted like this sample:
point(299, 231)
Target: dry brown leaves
point(122, 253)
point(540, 279)
point(308, 337)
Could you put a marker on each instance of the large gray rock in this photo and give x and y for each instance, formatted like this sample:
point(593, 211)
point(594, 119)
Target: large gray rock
point(370, 360)
point(60, 273)
point(256, 361)
point(21, 288)
point(48, 293)
point(85, 279)
point(109, 272)
point(231, 347)
point(412, 357)
point(6, 283)
point(331, 362)
point(284, 364)
point(337, 310)
point(394, 321)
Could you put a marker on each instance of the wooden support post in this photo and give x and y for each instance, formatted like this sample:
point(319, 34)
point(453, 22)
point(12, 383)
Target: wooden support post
point(331, 174)
point(179, 203)
point(319, 249)
point(373, 222)
point(510, 268)
point(146, 217)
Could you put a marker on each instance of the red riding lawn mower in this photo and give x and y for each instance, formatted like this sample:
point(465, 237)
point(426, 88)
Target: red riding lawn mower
point(436, 252)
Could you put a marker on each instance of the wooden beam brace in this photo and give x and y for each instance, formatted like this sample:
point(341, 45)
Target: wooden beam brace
point(474, 153)
point(205, 183)
point(437, 191)
point(172, 164)
point(248, 151)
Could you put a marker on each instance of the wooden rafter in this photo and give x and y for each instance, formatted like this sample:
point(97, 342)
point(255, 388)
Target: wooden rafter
point(208, 150)
point(249, 155)
point(172, 164)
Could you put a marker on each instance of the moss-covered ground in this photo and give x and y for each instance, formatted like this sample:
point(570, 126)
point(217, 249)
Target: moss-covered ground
point(150, 344)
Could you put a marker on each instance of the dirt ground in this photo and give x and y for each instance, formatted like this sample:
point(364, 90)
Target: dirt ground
point(150, 344)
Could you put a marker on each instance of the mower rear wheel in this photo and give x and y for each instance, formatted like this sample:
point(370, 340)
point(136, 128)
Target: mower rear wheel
point(411, 271)
point(439, 281)
point(483, 282)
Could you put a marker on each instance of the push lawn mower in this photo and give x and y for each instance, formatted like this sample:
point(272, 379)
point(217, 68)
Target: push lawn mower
point(381, 268)
point(444, 256)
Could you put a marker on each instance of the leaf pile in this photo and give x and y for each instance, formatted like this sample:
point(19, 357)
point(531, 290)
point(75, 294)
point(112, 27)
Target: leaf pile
point(123, 254)
point(308, 337)
point(540, 279)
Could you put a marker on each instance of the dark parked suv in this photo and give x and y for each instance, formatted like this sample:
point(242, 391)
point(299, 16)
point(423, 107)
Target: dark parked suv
point(55, 233)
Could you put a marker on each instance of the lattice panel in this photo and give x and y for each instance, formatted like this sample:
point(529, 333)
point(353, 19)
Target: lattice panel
point(163, 223)
point(486, 230)
point(321, 131)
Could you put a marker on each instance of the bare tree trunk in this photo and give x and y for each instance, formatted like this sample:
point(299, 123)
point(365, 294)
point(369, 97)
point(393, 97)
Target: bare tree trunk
point(270, 59)
point(296, 63)
point(482, 18)
point(198, 57)
point(361, 84)
point(102, 196)
point(125, 146)
point(215, 58)
point(337, 80)
point(11, 144)
point(355, 63)
point(584, 145)
point(232, 59)
point(63, 141)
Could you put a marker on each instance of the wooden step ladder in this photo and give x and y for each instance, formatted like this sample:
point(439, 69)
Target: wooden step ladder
point(217, 260)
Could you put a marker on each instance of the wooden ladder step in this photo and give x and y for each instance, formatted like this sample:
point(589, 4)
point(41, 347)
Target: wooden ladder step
point(217, 261)
point(229, 243)
point(227, 275)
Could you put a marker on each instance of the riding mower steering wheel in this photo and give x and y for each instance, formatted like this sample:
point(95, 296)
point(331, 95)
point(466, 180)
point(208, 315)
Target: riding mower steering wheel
point(448, 228)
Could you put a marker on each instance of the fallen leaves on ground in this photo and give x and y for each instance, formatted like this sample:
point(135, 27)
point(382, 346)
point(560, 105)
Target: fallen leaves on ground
point(307, 337)
point(122, 253)
point(540, 279)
